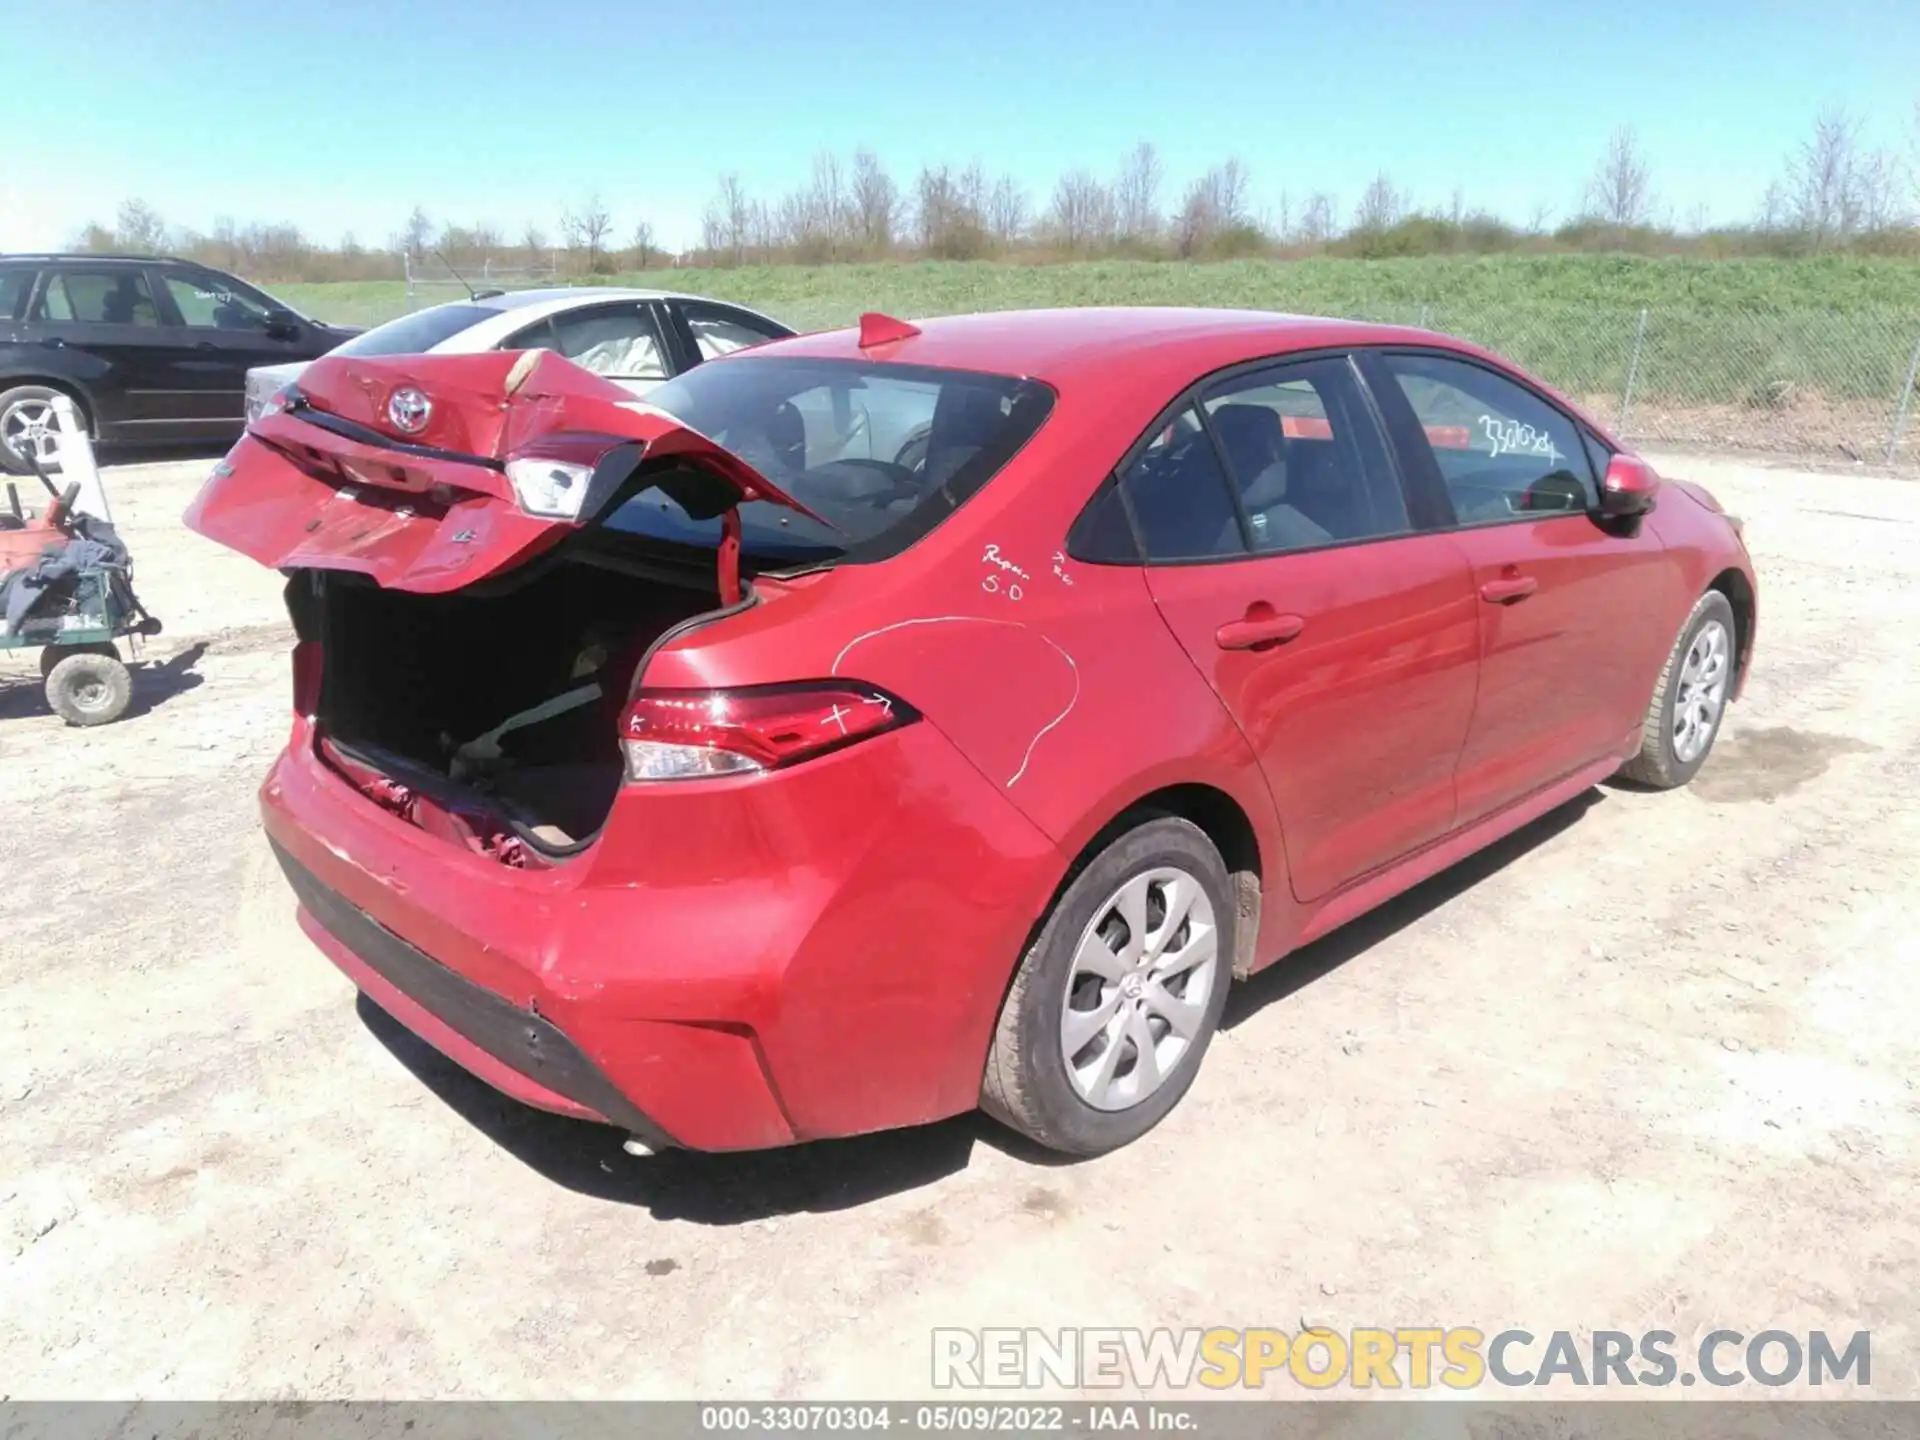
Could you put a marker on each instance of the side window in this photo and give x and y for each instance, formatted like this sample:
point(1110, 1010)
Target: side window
point(1307, 457)
point(720, 332)
point(206, 302)
point(1180, 497)
point(97, 297)
point(534, 337)
point(619, 343)
point(1503, 452)
point(15, 281)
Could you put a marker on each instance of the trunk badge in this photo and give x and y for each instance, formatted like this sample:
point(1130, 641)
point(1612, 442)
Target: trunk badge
point(409, 410)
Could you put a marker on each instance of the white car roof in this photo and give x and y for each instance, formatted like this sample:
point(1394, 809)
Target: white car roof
point(512, 311)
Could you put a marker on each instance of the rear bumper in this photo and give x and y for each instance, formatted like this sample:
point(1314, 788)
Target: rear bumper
point(735, 965)
point(517, 1051)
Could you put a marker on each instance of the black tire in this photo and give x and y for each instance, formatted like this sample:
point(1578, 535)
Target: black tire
point(89, 689)
point(52, 655)
point(1659, 765)
point(10, 461)
point(1026, 1085)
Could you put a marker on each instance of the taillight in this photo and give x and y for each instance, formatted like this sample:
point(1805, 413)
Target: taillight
point(307, 658)
point(692, 734)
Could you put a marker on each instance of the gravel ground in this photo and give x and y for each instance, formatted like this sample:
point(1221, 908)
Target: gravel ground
point(1648, 1064)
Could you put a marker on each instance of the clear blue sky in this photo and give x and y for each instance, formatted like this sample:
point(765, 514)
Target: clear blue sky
point(341, 114)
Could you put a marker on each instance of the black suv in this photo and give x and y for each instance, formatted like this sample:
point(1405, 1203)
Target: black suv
point(152, 351)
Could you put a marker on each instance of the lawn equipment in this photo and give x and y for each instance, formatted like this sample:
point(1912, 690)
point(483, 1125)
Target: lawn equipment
point(66, 586)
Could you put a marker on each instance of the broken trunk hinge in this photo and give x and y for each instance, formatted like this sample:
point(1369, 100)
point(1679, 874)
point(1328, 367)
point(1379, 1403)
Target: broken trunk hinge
point(730, 557)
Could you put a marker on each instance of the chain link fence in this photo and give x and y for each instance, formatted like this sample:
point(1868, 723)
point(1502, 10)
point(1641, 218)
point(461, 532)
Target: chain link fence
point(1834, 386)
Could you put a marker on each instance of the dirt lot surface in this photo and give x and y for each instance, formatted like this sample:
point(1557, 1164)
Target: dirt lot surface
point(1649, 1064)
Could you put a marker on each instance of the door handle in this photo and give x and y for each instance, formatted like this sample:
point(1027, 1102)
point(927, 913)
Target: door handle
point(206, 345)
point(53, 342)
point(1506, 592)
point(1257, 633)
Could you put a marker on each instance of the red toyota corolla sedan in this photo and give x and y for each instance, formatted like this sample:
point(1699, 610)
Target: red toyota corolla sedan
point(874, 725)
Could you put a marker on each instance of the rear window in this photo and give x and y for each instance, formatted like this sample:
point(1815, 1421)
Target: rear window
point(417, 333)
point(884, 452)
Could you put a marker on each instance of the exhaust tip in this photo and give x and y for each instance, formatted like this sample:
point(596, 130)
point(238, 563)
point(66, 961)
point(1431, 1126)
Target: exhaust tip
point(636, 1146)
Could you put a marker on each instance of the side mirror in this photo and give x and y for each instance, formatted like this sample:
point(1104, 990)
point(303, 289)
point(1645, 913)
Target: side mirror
point(1630, 488)
point(283, 325)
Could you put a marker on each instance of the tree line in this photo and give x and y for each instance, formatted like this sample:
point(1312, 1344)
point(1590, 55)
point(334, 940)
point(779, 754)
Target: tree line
point(1834, 192)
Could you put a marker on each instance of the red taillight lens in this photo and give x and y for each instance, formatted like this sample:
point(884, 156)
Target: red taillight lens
point(691, 734)
point(307, 656)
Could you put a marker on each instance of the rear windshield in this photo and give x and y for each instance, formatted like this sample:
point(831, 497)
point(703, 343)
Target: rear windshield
point(417, 333)
point(884, 452)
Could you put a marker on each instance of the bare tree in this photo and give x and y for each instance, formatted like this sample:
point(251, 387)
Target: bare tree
point(1539, 218)
point(645, 251)
point(1621, 190)
point(1316, 219)
point(417, 234)
point(1213, 205)
point(876, 203)
point(139, 229)
point(727, 225)
point(1823, 180)
point(1006, 212)
point(1080, 216)
point(587, 229)
point(1381, 206)
point(1136, 195)
point(1876, 192)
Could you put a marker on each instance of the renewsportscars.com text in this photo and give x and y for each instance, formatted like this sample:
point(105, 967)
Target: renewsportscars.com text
point(1409, 1357)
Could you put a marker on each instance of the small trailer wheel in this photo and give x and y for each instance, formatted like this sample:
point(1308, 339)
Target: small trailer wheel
point(52, 655)
point(89, 689)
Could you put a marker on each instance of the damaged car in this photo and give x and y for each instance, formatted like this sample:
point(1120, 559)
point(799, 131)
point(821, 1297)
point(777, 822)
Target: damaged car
point(698, 765)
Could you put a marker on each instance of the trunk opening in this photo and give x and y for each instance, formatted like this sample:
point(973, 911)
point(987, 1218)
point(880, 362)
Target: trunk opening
point(491, 715)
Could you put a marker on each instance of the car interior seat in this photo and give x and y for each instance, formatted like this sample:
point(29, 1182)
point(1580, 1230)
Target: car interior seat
point(965, 420)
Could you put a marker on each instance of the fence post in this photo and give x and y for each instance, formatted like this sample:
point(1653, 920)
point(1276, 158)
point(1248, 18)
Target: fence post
point(1426, 316)
point(406, 265)
point(1633, 373)
point(1900, 410)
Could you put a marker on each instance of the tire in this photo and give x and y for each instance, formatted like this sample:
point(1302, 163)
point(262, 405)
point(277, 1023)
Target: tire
point(24, 408)
point(1032, 1083)
point(52, 655)
point(89, 689)
point(1690, 688)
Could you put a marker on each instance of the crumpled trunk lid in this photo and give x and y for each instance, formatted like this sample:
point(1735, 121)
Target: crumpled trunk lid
point(402, 468)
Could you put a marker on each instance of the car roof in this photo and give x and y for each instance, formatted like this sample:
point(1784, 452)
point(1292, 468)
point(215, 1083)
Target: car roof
point(90, 257)
point(582, 294)
point(1060, 346)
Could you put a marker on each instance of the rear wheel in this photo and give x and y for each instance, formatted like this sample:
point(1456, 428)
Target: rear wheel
point(1105, 1025)
point(89, 689)
point(28, 427)
point(1683, 718)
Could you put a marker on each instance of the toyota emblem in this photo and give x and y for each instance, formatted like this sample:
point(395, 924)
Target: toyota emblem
point(409, 410)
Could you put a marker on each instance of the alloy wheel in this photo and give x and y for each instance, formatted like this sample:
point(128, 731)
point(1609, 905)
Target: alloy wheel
point(1138, 989)
point(1703, 691)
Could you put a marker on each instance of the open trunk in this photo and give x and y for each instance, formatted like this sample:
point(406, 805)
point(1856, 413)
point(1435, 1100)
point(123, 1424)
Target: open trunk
point(492, 715)
point(469, 634)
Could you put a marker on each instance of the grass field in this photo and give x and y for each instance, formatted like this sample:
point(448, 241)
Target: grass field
point(1759, 353)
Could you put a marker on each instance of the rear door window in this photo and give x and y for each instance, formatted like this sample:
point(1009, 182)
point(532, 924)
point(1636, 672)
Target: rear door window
point(1306, 457)
point(97, 297)
point(1180, 495)
point(209, 302)
point(719, 331)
